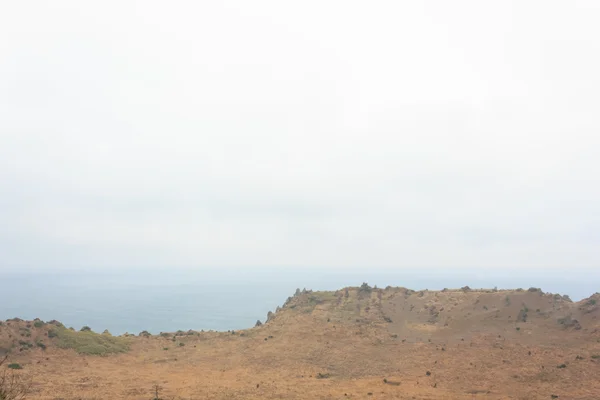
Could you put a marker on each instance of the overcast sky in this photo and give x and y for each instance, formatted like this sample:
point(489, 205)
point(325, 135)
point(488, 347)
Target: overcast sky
point(387, 134)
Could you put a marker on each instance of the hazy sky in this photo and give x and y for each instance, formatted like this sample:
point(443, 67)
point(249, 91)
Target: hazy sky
point(312, 133)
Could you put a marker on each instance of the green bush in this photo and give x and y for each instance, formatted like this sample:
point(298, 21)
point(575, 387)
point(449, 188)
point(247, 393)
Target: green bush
point(41, 345)
point(86, 329)
point(14, 366)
point(365, 288)
point(38, 324)
point(88, 342)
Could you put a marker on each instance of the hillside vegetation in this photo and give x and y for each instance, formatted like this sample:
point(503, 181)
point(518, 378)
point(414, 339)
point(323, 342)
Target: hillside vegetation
point(357, 342)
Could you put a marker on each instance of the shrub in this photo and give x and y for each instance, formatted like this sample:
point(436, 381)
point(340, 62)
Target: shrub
point(365, 288)
point(181, 344)
point(86, 329)
point(561, 366)
point(596, 356)
point(14, 366)
point(323, 376)
point(38, 324)
point(41, 345)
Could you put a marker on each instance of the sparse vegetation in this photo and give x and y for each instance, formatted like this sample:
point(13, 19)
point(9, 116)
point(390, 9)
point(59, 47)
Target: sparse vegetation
point(86, 329)
point(377, 345)
point(38, 324)
point(569, 322)
point(13, 386)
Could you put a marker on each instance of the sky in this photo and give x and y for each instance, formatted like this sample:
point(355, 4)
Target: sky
point(342, 134)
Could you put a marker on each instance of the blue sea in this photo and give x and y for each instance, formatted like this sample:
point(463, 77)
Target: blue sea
point(167, 300)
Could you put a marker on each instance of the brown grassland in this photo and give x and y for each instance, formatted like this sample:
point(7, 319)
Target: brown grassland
point(355, 343)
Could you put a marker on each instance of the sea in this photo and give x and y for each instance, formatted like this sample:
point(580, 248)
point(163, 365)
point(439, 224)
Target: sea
point(132, 300)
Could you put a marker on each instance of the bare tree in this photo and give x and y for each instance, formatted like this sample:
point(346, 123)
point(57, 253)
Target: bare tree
point(13, 386)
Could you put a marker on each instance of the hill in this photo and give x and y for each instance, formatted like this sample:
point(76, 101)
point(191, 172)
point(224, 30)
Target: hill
point(358, 342)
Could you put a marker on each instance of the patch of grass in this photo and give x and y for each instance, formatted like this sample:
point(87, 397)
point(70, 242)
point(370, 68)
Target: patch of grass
point(14, 366)
point(88, 342)
point(596, 356)
point(323, 376)
point(561, 366)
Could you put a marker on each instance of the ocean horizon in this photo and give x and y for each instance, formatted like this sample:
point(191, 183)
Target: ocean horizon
point(223, 299)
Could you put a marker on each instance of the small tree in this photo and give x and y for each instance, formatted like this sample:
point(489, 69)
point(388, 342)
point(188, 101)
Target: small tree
point(365, 287)
point(157, 389)
point(13, 386)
